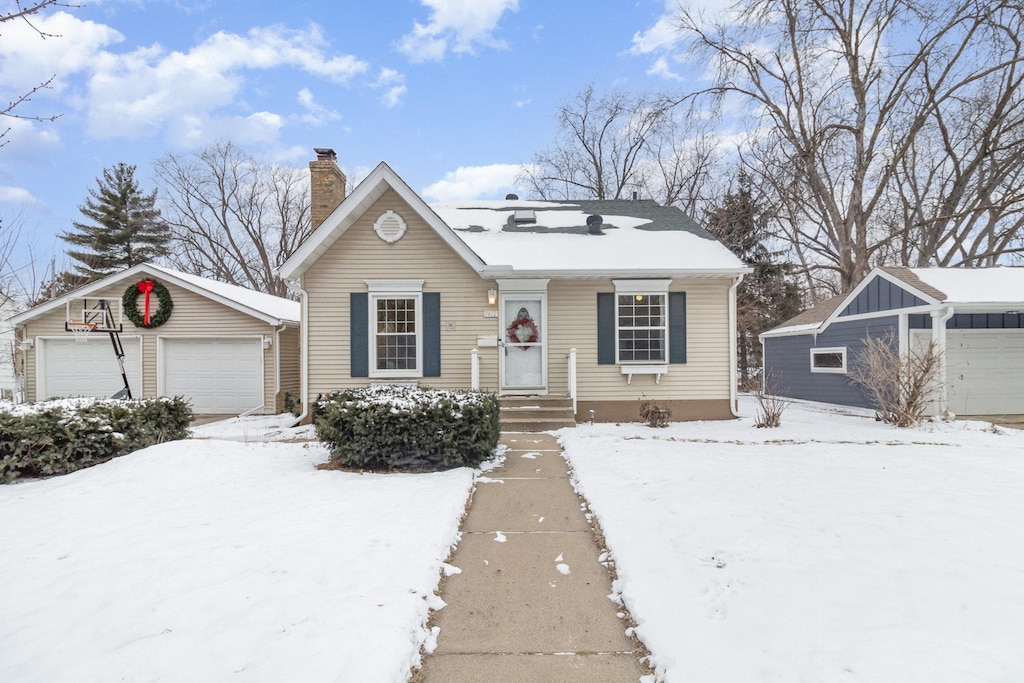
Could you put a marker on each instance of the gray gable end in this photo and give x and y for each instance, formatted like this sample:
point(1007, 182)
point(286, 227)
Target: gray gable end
point(881, 295)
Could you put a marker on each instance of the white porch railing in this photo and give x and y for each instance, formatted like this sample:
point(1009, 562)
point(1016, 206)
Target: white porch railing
point(475, 370)
point(572, 378)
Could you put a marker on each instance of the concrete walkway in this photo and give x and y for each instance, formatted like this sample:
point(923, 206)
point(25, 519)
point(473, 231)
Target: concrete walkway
point(531, 603)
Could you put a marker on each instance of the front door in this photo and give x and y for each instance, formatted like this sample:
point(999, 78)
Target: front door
point(523, 353)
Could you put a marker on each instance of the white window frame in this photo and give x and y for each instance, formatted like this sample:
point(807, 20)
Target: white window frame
point(841, 350)
point(394, 289)
point(645, 288)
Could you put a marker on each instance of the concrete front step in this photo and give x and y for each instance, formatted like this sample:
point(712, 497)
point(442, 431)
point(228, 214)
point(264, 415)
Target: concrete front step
point(536, 413)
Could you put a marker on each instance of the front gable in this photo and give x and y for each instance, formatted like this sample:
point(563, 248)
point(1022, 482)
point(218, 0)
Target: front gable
point(880, 294)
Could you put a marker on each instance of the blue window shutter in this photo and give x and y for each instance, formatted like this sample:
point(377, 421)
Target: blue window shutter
point(605, 328)
point(677, 327)
point(359, 334)
point(431, 334)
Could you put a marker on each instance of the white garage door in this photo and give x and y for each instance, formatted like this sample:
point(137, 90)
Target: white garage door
point(985, 369)
point(69, 368)
point(219, 376)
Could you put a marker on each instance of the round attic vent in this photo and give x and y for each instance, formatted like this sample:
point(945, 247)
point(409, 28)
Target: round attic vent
point(389, 227)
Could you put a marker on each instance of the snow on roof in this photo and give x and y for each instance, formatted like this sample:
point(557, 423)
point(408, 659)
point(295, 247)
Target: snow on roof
point(638, 235)
point(268, 304)
point(975, 285)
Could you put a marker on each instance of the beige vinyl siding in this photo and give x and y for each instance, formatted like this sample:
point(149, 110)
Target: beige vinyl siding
point(572, 312)
point(289, 353)
point(193, 316)
point(360, 255)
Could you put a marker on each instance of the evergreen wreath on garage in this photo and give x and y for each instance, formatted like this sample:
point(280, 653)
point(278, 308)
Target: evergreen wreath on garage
point(130, 304)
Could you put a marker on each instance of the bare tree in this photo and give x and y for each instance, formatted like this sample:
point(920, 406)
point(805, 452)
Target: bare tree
point(610, 145)
point(845, 93)
point(233, 218)
point(25, 12)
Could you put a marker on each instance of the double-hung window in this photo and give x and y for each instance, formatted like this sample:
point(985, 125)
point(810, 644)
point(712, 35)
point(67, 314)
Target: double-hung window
point(396, 328)
point(641, 314)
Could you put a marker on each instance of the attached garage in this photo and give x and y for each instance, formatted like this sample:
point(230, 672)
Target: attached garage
point(985, 370)
point(69, 368)
point(219, 375)
point(227, 349)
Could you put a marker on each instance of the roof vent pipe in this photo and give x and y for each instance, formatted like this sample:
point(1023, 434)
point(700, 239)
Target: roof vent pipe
point(594, 225)
point(511, 197)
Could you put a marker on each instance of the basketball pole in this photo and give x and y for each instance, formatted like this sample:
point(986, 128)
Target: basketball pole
point(115, 340)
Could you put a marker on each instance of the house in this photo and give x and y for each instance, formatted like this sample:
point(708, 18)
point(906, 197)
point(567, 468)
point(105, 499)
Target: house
point(8, 385)
point(227, 349)
point(606, 302)
point(973, 314)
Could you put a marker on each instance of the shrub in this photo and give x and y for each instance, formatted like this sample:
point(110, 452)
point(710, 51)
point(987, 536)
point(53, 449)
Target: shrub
point(397, 428)
point(770, 406)
point(61, 436)
point(655, 415)
point(899, 384)
point(292, 404)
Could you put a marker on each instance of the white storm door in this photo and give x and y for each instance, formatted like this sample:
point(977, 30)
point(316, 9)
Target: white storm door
point(220, 376)
point(70, 368)
point(523, 354)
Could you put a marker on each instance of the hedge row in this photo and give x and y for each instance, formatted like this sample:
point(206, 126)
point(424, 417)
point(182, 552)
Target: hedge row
point(410, 429)
point(61, 436)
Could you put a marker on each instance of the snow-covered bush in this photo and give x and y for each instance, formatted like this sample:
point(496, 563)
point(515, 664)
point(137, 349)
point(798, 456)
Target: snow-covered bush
point(61, 436)
point(398, 428)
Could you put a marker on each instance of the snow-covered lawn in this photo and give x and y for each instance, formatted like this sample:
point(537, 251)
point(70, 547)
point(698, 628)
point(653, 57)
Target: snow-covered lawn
point(213, 560)
point(833, 548)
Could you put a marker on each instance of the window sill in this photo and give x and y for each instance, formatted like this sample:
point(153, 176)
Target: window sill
point(656, 370)
point(405, 383)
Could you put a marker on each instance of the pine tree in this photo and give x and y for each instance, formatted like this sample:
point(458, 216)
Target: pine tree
point(125, 227)
point(766, 296)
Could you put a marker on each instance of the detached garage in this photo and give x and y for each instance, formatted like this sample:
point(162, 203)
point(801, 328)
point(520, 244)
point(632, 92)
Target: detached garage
point(975, 314)
point(227, 349)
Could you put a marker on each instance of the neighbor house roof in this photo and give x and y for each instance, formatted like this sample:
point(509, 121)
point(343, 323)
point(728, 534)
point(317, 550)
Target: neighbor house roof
point(973, 287)
point(519, 238)
point(272, 309)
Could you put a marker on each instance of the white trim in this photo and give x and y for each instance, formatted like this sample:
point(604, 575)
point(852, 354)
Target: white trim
point(523, 285)
point(377, 295)
point(401, 286)
point(641, 286)
point(664, 327)
point(841, 350)
point(855, 292)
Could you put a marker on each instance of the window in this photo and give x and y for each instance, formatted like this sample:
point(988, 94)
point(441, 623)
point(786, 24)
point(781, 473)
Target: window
point(396, 330)
point(641, 321)
point(831, 359)
point(642, 328)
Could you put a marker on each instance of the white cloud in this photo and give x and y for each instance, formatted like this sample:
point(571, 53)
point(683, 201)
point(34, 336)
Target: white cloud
point(474, 182)
point(661, 68)
point(18, 196)
point(662, 35)
point(663, 38)
point(149, 88)
point(316, 115)
point(394, 87)
point(455, 25)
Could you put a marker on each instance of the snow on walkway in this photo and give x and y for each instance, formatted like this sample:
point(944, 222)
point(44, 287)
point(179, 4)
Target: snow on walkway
point(833, 548)
point(217, 560)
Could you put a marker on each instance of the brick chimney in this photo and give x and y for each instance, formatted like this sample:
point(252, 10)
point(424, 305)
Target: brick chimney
point(326, 185)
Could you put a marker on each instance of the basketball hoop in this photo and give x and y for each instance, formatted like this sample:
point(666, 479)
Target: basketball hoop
point(81, 330)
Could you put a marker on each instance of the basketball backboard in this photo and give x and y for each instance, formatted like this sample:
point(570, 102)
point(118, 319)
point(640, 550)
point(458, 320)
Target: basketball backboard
point(104, 314)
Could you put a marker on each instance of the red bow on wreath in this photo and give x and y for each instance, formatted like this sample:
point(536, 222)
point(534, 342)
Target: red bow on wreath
point(145, 287)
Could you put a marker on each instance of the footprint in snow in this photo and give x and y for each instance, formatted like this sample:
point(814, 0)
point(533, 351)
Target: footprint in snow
point(499, 537)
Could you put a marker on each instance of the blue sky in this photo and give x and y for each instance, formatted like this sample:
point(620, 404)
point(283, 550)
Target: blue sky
point(453, 94)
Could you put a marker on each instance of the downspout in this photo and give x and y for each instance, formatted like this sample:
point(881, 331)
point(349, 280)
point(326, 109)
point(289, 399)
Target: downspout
point(733, 401)
point(939, 319)
point(295, 286)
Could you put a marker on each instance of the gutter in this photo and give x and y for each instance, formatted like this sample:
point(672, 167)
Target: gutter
point(295, 286)
point(733, 401)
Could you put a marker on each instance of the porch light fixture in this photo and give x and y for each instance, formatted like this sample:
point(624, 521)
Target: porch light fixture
point(268, 342)
point(492, 296)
